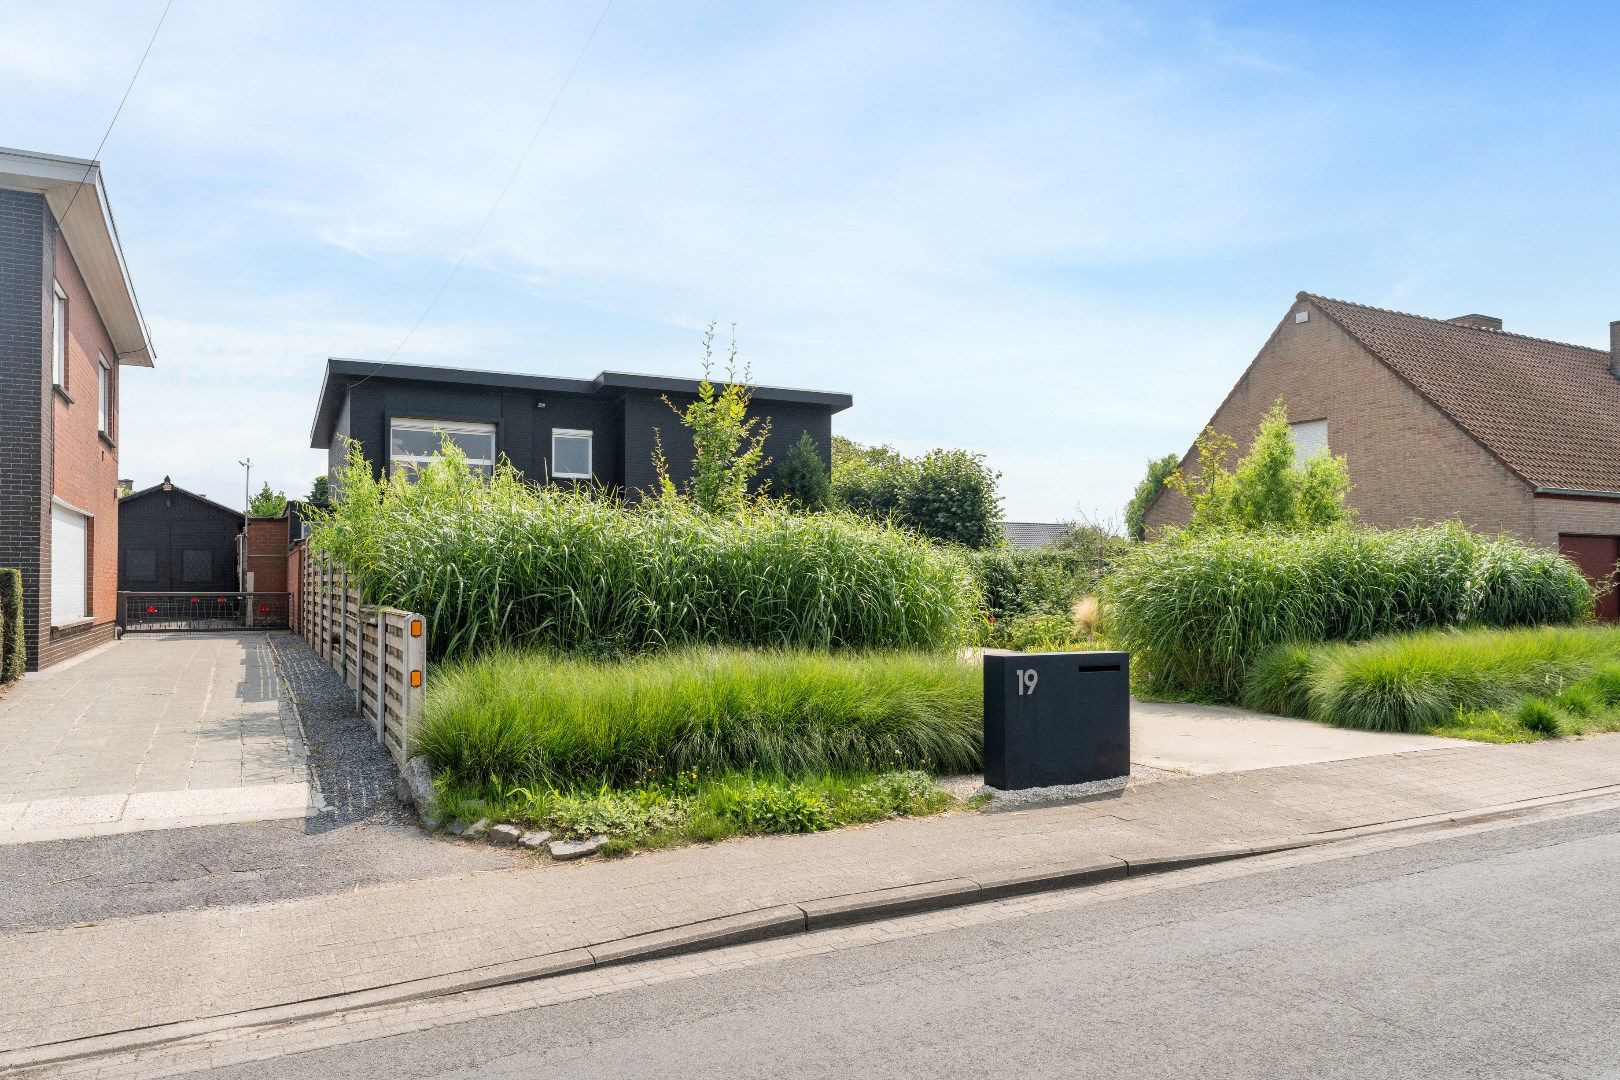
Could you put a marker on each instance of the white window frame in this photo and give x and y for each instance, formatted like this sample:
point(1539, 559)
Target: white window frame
point(104, 396)
point(1311, 428)
point(59, 320)
point(590, 453)
point(449, 427)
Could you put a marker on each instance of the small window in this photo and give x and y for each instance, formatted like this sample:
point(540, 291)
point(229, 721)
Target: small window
point(570, 454)
point(59, 337)
point(196, 566)
point(140, 564)
point(104, 397)
point(1310, 436)
point(413, 443)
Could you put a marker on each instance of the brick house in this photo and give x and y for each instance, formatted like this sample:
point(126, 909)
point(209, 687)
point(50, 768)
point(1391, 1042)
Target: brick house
point(69, 322)
point(1446, 419)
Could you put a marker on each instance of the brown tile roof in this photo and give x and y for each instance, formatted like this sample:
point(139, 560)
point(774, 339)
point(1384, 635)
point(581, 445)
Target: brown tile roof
point(1548, 410)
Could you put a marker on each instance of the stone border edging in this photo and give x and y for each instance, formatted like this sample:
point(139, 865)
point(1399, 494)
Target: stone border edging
point(760, 924)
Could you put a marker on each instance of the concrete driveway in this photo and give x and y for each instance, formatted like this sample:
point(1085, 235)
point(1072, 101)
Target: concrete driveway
point(156, 731)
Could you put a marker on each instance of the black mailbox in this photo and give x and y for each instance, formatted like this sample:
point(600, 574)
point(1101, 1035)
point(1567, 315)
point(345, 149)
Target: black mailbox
point(1056, 718)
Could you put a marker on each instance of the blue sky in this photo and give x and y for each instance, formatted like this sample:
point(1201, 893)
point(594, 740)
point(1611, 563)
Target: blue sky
point(1053, 233)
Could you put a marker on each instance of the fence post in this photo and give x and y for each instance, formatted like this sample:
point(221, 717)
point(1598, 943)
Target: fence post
point(415, 677)
point(382, 671)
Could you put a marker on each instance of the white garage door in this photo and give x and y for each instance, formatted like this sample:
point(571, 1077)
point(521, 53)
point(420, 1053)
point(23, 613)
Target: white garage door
point(69, 545)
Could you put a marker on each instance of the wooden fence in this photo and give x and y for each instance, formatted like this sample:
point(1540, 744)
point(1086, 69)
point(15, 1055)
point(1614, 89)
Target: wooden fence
point(380, 652)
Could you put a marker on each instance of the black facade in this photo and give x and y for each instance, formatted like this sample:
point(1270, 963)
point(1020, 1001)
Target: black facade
point(26, 254)
point(171, 540)
point(530, 419)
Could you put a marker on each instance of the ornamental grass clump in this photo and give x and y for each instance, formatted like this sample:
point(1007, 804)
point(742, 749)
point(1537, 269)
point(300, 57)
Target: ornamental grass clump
point(1196, 610)
point(496, 561)
point(555, 721)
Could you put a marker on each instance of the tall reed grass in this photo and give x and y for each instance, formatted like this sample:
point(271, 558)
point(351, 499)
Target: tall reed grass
point(1197, 610)
point(500, 562)
point(532, 718)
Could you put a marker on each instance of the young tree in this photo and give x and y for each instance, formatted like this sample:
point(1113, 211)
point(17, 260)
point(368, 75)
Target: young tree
point(1266, 490)
point(1159, 470)
point(268, 503)
point(320, 490)
point(802, 478)
point(728, 444)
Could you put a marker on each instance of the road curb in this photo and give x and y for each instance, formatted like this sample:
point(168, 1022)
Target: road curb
point(782, 920)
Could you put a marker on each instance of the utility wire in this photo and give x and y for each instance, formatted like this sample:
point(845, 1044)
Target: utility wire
point(96, 157)
point(504, 189)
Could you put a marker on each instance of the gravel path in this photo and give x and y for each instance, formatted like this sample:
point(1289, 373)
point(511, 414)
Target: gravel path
point(365, 836)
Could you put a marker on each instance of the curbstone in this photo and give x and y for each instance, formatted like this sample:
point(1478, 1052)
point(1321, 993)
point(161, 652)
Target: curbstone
point(1037, 879)
point(888, 903)
point(505, 835)
point(740, 929)
point(564, 850)
point(1158, 864)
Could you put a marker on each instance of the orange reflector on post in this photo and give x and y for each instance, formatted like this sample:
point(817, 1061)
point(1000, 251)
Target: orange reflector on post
point(416, 630)
point(416, 678)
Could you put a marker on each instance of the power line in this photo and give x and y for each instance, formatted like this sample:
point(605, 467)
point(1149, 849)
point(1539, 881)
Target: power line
point(95, 157)
point(504, 188)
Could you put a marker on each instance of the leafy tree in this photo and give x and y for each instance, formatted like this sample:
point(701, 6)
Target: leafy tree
point(949, 495)
point(802, 478)
point(1266, 490)
point(320, 491)
point(728, 444)
point(267, 503)
point(1159, 470)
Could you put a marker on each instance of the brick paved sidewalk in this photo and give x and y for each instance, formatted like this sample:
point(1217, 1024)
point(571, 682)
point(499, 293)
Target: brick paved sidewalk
point(74, 982)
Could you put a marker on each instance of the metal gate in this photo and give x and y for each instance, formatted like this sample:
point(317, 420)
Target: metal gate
point(152, 611)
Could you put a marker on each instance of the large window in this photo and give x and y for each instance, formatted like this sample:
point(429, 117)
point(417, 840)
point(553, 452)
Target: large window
point(70, 562)
point(1309, 437)
point(570, 454)
point(59, 337)
point(104, 397)
point(412, 443)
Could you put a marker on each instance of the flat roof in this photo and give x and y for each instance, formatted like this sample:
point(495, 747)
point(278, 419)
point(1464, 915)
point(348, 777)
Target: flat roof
point(92, 237)
point(342, 373)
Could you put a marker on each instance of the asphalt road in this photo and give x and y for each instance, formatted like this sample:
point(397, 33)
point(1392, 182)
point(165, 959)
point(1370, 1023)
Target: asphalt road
point(1491, 955)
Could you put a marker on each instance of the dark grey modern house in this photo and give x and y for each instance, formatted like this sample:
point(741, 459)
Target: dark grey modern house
point(174, 540)
point(592, 430)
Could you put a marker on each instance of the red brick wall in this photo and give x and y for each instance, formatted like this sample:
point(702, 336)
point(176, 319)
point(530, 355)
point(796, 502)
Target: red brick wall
point(1408, 462)
point(295, 585)
point(267, 553)
point(84, 466)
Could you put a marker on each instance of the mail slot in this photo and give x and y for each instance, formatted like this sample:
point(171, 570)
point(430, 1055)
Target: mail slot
point(1056, 718)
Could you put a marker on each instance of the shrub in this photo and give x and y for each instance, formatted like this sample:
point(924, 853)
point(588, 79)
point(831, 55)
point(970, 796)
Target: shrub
point(499, 562)
point(1159, 470)
point(728, 445)
point(802, 479)
point(756, 806)
point(267, 503)
point(947, 495)
point(1425, 681)
point(1538, 716)
point(13, 643)
point(1196, 610)
point(1267, 490)
point(544, 720)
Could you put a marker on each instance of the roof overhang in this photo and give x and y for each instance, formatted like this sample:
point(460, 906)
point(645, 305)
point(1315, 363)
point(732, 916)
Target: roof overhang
point(342, 374)
point(92, 237)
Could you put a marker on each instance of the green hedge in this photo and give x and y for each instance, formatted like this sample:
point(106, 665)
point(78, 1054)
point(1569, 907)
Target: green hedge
point(13, 648)
point(1197, 610)
point(538, 719)
point(500, 562)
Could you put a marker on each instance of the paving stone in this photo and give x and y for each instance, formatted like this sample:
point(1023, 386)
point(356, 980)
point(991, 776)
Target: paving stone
point(563, 850)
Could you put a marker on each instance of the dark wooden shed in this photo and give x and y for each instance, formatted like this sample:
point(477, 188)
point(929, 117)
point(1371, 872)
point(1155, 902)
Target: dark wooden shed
point(174, 540)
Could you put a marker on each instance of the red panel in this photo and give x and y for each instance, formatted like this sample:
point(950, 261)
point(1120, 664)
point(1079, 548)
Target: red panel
point(1596, 556)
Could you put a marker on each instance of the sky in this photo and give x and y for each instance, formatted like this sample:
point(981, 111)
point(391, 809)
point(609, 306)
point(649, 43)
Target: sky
point(1052, 233)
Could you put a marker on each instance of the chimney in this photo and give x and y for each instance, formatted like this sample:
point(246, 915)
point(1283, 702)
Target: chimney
point(1478, 322)
point(1614, 348)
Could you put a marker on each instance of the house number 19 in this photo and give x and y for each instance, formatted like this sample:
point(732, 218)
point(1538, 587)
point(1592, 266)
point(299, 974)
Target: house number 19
point(1027, 678)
